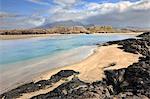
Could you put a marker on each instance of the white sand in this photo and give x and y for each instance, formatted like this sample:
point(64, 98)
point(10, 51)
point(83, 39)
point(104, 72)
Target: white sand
point(92, 68)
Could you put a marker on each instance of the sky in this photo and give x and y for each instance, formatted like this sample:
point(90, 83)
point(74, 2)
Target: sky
point(16, 14)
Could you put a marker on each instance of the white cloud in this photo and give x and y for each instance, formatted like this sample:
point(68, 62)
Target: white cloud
point(143, 4)
point(36, 21)
point(5, 14)
point(123, 13)
point(39, 2)
point(21, 22)
point(120, 13)
point(65, 2)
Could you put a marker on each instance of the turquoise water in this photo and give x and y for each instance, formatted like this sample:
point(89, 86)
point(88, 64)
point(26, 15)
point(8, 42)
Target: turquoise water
point(12, 51)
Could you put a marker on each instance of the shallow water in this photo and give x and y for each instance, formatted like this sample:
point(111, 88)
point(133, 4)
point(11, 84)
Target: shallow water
point(12, 51)
point(25, 59)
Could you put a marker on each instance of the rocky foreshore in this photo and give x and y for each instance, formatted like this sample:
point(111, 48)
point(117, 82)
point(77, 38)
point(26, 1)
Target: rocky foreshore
point(32, 86)
point(132, 82)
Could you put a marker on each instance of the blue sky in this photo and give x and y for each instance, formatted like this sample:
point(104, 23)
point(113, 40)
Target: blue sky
point(21, 6)
point(27, 7)
point(32, 13)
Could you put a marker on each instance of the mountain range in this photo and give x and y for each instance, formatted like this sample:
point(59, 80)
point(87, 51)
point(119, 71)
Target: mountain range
point(69, 23)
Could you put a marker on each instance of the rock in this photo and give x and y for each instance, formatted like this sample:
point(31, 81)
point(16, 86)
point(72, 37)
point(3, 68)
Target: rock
point(75, 83)
point(129, 95)
point(115, 78)
point(62, 74)
point(136, 78)
point(131, 83)
point(35, 86)
point(145, 35)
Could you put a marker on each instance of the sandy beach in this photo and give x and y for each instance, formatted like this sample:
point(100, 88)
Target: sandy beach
point(49, 65)
point(92, 68)
point(75, 49)
point(11, 37)
point(114, 63)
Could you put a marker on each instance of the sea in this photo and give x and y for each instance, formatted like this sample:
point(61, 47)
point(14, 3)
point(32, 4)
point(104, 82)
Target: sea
point(23, 59)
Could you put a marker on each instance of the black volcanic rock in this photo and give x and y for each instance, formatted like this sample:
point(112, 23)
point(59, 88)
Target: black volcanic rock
point(138, 78)
point(115, 78)
point(126, 83)
point(77, 89)
point(62, 74)
point(35, 86)
point(145, 35)
point(62, 90)
point(131, 82)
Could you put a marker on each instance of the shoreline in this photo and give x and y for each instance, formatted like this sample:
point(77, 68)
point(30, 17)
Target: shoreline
point(96, 71)
point(126, 60)
point(44, 64)
point(112, 71)
point(88, 73)
point(37, 64)
point(14, 37)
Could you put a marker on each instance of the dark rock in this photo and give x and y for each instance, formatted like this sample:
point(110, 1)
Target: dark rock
point(67, 87)
point(146, 34)
point(131, 83)
point(136, 78)
point(62, 74)
point(115, 78)
point(31, 87)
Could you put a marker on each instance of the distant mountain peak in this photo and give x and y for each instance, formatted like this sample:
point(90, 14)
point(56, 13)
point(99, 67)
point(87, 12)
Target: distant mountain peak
point(68, 23)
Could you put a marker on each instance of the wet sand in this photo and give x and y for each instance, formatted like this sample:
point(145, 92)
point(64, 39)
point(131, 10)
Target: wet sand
point(92, 68)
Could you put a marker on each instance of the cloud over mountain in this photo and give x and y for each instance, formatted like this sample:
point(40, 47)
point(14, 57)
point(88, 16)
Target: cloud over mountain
point(121, 13)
